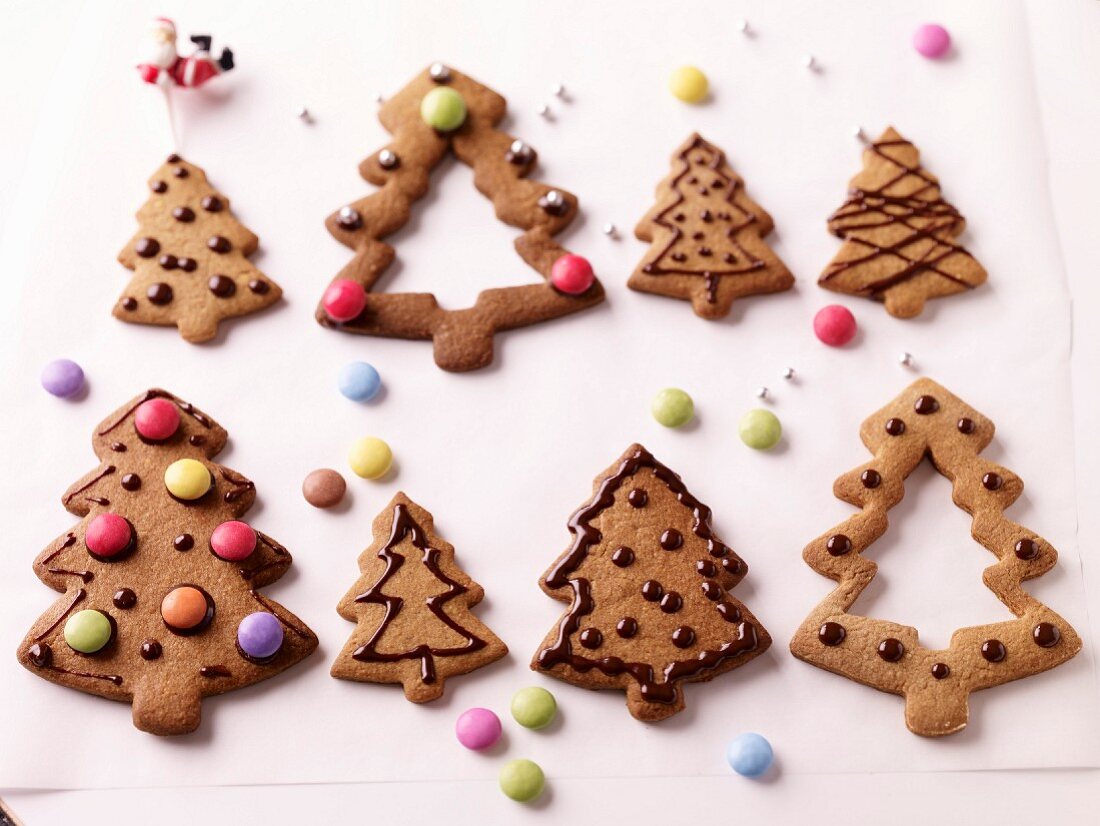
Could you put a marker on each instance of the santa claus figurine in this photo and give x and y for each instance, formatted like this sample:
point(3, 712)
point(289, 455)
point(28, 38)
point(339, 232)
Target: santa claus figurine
point(165, 67)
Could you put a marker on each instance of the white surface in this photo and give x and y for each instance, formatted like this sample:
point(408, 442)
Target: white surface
point(443, 462)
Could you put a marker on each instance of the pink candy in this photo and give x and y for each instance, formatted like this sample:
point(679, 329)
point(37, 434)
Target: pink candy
point(932, 40)
point(571, 274)
point(233, 541)
point(344, 299)
point(477, 728)
point(108, 535)
point(157, 419)
point(834, 325)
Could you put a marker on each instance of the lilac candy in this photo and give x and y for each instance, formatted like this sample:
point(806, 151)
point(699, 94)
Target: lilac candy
point(62, 378)
point(260, 635)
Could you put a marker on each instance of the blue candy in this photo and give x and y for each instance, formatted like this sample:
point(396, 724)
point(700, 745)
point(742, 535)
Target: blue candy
point(359, 381)
point(749, 755)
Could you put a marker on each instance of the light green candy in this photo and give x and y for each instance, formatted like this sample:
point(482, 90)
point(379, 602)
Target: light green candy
point(443, 108)
point(87, 631)
point(522, 780)
point(672, 407)
point(759, 429)
point(534, 707)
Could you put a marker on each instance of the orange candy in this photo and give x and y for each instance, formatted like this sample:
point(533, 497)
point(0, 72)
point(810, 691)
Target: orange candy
point(184, 607)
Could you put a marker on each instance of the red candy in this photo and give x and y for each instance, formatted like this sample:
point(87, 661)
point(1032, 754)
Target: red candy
point(233, 541)
point(157, 419)
point(344, 299)
point(571, 274)
point(834, 325)
point(108, 535)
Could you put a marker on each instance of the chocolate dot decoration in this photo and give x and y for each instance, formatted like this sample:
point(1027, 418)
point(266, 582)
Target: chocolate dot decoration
point(124, 598)
point(188, 264)
point(671, 602)
point(671, 539)
point(151, 650)
point(623, 556)
point(129, 304)
point(147, 247)
point(683, 637)
point(940, 670)
point(159, 294)
point(1046, 635)
point(40, 654)
point(183, 542)
point(706, 568)
point(992, 481)
point(831, 633)
point(591, 638)
point(652, 590)
point(1027, 549)
point(168, 262)
point(196, 439)
point(184, 214)
point(159, 187)
point(891, 650)
point(131, 481)
point(712, 590)
point(966, 426)
point(259, 286)
point(994, 651)
point(733, 565)
point(222, 286)
point(637, 498)
point(627, 627)
point(173, 158)
point(180, 172)
point(729, 612)
point(838, 544)
point(926, 405)
point(895, 427)
point(212, 203)
point(219, 244)
point(707, 216)
point(871, 478)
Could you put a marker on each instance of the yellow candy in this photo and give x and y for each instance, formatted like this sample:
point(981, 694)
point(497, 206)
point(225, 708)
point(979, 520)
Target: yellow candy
point(187, 479)
point(370, 457)
point(689, 84)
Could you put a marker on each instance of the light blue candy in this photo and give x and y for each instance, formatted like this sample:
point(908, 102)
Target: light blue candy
point(749, 755)
point(359, 381)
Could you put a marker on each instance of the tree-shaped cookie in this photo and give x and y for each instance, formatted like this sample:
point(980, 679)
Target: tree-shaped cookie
point(927, 420)
point(443, 110)
point(647, 582)
point(160, 579)
point(190, 258)
point(412, 606)
point(706, 236)
point(899, 234)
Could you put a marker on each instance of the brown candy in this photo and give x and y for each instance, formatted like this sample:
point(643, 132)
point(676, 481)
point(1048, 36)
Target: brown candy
point(324, 488)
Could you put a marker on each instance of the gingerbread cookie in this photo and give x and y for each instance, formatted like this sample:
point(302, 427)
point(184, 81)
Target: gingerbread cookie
point(647, 582)
point(899, 234)
point(443, 110)
point(190, 258)
point(161, 605)
point(707, 236)
point(412, 605)
point(927, 420)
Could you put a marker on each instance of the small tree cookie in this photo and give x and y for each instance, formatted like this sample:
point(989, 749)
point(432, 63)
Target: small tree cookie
point(899, 234)
point(443, 110)
point(412, 605)
point(647, 582)
point(707, 236)
point(927, 420)
point(190, 258)
point(160, 579)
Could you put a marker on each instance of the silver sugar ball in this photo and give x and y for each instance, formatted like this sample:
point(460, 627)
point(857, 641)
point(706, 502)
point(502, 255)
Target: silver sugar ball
point(544, 111)
point(905, 359)
point(439, 73)
point(559, 90)
point(609, 230)
point(304, 115)
point(788, 373)
point(761, 392)
point(742, 26)
point(555, 198)
point(809, 61)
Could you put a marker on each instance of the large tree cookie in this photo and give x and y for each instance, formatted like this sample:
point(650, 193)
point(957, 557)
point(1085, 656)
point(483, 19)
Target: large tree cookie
point(927, 420)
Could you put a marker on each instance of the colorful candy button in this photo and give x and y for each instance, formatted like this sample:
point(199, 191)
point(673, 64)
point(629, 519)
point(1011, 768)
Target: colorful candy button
point(689, 84)
point(359, 381)
point(108, 535)
point(477, 728)
point(522, 780)
point(62, 378)
point(672, 407)
point(186, 609)
point(324, 488)
point(233, 541)
point(260, 635)
point(88, 631)
point(187, 479)
point(156, 419)
point(834, 325)
point(370, 457)
point(572, 274)
point(344, 300)
point(534, 707)
point(760, 429)
point(443, 108)
point(749, 755)
point(932, 40)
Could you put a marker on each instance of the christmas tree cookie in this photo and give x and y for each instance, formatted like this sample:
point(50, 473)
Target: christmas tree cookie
point(706, 236)
point(160, 580)
point(927, 420)
point(190, 258)
point(412, 606)
point(440, 111)
point(647, 584)
point(899, 234)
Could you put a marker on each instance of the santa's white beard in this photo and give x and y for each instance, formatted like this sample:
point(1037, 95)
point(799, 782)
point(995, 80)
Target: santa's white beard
point(163, 55)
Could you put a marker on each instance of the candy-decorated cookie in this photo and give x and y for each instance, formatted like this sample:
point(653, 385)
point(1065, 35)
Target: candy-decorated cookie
point(160, 579)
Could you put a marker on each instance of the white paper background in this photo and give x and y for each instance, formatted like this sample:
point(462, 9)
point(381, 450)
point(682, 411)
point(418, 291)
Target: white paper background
point(503, 456)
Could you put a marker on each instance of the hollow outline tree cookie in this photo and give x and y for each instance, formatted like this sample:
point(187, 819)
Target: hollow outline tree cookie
point(706, 236)
point(190, 258)
point(463, 339)
point(647, 581)
point(167, 546)
point(899, 234)
point(407, 571)
point(927, 420)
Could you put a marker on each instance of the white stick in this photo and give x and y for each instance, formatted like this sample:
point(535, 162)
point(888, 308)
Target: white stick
point(171, 118)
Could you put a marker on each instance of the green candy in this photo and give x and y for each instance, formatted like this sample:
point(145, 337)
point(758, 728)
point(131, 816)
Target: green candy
point(534, 707)
point(88, 631)
point(759, 429)
point(672, 407)
point(522, 780)
point(443, 108)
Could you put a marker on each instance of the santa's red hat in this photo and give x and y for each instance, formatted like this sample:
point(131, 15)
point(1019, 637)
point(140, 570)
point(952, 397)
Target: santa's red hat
point(165, 24)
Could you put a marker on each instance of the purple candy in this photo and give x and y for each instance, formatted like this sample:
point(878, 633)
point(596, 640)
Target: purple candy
point(260, 635)
point(62, 378)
